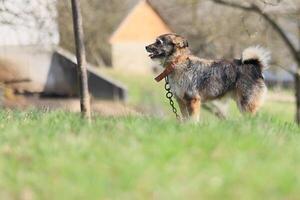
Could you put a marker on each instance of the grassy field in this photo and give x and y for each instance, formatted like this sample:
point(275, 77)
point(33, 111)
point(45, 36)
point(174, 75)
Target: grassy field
point(56, 155)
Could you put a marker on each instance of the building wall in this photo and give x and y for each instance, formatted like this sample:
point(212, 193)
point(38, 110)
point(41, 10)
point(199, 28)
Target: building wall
point(131, 57)
point(25, 62)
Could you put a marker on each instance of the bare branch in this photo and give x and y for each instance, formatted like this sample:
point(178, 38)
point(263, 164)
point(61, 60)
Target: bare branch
point(234, 5)
point(256, 9)
point(270, 3)
point(291, 72)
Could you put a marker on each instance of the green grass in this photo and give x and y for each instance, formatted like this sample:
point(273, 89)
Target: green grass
point(56, 155)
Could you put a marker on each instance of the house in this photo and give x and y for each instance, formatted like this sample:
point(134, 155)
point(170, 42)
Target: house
point(139, 28)
point(52, 73)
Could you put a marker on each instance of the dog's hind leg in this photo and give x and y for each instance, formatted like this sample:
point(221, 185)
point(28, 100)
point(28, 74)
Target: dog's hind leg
point(250, 101)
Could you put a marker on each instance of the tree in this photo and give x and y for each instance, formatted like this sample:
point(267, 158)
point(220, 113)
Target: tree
point(81, 61)
point(279, 29)
point(35, 18)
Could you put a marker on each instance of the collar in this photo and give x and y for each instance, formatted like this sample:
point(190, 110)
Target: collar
point(168, 70)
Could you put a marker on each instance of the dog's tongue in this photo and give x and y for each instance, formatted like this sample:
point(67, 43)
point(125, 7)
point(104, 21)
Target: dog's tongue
point(168, 70)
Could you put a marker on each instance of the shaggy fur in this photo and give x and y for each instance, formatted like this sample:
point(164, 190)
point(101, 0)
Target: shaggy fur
point(196, 80)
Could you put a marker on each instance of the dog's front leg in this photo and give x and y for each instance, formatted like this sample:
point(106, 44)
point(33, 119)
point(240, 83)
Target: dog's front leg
point(183, 108)
point(193, 107)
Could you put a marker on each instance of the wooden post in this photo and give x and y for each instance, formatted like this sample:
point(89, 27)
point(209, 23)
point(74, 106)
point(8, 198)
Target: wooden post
point(297, 82)
point(81, 61)
point(297, 91)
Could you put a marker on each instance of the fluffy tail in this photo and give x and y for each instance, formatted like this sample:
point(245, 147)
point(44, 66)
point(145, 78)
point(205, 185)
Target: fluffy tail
point(256, 55)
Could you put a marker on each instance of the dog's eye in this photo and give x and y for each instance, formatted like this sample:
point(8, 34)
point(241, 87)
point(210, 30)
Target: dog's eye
point(159, 42)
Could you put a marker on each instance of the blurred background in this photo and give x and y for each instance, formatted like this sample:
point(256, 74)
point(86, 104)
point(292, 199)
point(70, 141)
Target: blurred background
point(37, 62)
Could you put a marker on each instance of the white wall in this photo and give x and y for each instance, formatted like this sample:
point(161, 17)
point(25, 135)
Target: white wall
point(26, 62)
point(131, 57)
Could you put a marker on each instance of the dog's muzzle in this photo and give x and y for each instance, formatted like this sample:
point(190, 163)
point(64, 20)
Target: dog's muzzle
point(154, 52)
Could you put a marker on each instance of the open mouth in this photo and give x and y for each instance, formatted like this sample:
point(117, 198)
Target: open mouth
point(153, 55)
point(154, 52)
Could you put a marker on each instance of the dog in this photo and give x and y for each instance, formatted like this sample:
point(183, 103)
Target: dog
point(195, 80)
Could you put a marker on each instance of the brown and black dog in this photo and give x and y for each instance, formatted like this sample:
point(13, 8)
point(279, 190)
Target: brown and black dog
point(195, 80)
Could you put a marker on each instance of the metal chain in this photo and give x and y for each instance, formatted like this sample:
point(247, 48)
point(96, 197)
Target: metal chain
point(169, 96)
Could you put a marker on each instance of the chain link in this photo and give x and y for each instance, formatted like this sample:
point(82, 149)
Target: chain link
point(169, 96)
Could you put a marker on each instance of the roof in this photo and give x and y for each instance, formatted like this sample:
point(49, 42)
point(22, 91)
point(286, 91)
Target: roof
point(90, 68)
point(142, 24)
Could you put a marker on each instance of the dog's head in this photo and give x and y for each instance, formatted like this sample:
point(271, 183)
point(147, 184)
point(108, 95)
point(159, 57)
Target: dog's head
point(166, 45)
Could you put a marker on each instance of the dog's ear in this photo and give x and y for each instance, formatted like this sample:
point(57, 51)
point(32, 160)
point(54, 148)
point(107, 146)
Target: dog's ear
point(184, 43)
point(181, 42)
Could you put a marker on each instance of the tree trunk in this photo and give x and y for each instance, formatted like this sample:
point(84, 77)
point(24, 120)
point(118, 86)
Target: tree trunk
point(81, 61)
point(297, 90)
